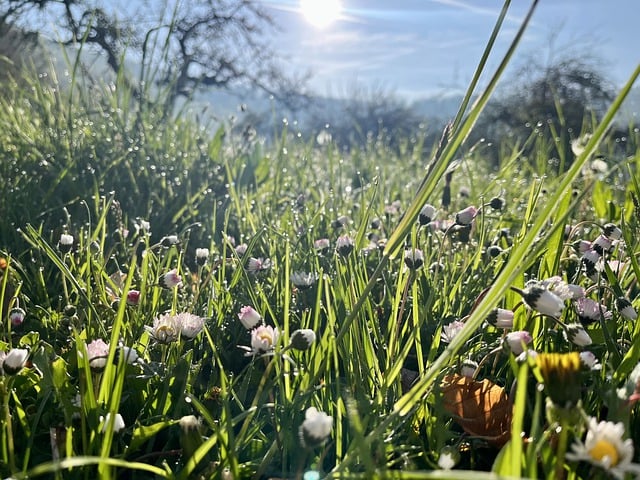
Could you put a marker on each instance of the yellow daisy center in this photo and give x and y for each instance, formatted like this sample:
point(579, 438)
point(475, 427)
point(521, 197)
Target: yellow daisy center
point(265, 337)
point(604, 450)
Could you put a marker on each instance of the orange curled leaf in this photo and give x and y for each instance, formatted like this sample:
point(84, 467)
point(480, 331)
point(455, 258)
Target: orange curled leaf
point(481, 408)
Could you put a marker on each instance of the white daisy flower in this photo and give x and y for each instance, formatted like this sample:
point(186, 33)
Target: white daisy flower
point(605, 448)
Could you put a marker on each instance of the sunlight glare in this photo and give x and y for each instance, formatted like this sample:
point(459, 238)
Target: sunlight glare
point(321, 13)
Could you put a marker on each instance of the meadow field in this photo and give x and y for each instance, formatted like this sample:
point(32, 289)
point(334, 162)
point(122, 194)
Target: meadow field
point(181, 301)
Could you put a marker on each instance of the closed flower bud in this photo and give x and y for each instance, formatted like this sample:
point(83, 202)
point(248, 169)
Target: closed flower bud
point(493, 251)
point(315, 428)
point(500, 318)
point(341, 221)
point(133, 297)
point(130, 355)
point(14, 361)
point(303, 280)
point(612, 231)
point(98, 352)
point(576, 334)
point(602, 244)
point(582, 246)
point(302, 339)
point(625, 308)
point(257, 265)
point(413, 258)
point(65, 243)
point(466, 216)
point(249, 317)
point(591, 257)
point(542, 300)
point(344, 245)
point(190, 435)
point(118, 423)
point(322, 245)
point(449, 458)
point(16, 316)
point(169, 240)
point(517, 341)
point(427, 214)
point(589, 360)
point(170, 279)
point(468, 368)
point(202, 255)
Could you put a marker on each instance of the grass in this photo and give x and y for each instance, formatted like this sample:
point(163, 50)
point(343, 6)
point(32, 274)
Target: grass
point(195, 405)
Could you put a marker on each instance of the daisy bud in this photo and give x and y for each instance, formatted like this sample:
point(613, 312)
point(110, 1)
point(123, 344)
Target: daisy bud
point(341, 221)
point(65, 243)
point(322, 245)
point(133, 297)
point(576, 334)
point(16, 316)
point(527, 355)
point(500, 318)
point(202, 255)
point(591, 257)
point(241, 249)
point(118, 422)
point(249, 317)
point(449, 458)
point(169, 240)
point(413, 258)
point(493, 251)
point(602, 244)
point(516, 341)
point(170, 279)
point(130, 355)
point(190, 435)
point(427, 214)
point(543, 301)
point(625, 308)
point(302, 339)
point(98, 352)
point(303, 280)
point(589, 360)
point(582, 246)
point(468, 368)
point(344, 245)
point(256, 265)
point(612, 231)
point(466, 216)
point(14, 361)
point(315, 428)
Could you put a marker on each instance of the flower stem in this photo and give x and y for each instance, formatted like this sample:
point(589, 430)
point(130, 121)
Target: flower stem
point(8, 447)
point(562, 449)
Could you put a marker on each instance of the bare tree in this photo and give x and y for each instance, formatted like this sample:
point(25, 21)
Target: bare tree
point(18, 50)
point(190, 44)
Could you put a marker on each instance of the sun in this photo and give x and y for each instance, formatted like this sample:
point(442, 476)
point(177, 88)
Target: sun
point(321, 13)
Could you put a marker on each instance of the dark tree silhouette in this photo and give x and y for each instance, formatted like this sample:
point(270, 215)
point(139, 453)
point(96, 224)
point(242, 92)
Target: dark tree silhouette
point(200, 43)
point(559, 100)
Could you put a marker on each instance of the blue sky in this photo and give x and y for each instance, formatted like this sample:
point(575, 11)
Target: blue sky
point(418, 48)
